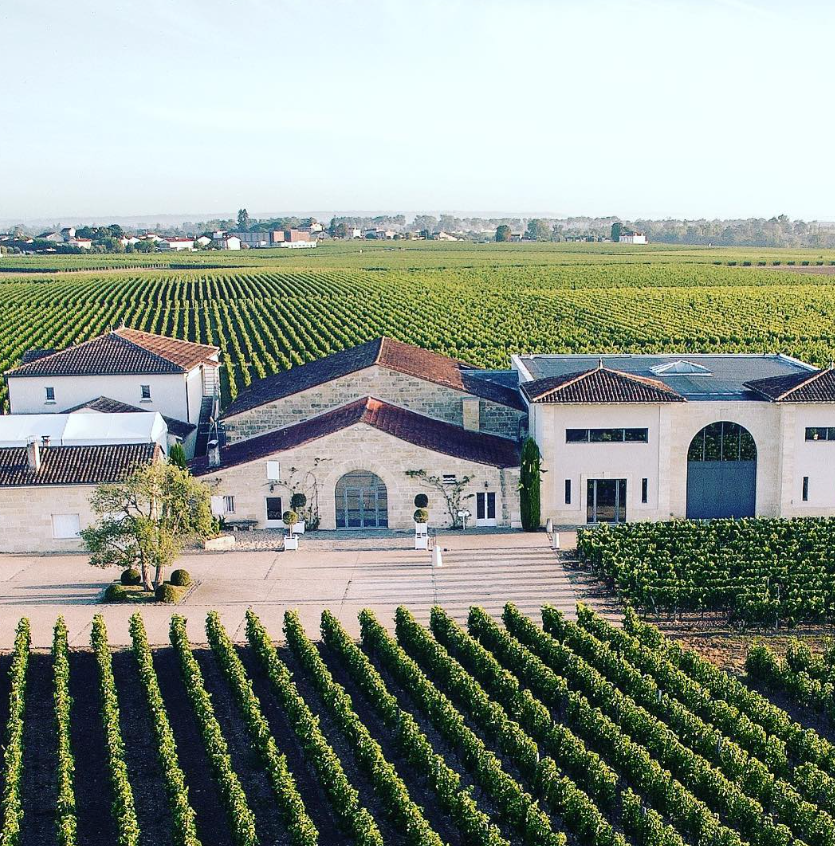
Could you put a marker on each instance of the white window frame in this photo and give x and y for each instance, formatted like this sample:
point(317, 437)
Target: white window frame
point(50, 400)
point(142, 391)
point(61, 534)
point(273, 471)
point(228, 504)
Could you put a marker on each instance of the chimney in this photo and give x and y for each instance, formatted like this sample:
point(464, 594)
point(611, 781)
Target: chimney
point(33, 456)
point(45, 440)
point(470, 414)
point(214, 454)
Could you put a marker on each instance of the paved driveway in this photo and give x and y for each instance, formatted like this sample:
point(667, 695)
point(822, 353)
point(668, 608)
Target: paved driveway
point(487, 570)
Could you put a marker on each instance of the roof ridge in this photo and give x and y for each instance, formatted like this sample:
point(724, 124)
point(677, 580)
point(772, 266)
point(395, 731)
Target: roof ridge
point(144, 349)
point(811, 378)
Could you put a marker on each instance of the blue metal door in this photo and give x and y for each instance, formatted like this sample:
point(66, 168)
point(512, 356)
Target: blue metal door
point(721, 489)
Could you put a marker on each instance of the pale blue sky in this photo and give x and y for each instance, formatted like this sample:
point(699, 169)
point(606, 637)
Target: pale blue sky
point(719, 108)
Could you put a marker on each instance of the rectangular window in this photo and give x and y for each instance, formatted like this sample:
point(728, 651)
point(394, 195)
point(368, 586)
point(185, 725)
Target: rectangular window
point(805, 488)
point(644, 490)
point(65, 526)
point(606, 436)
point(820, 433)
point(50, 394)
point(273, 471)
point(449, 479)
point(576, 436)
point(145, 391)
point(229, 505)
point(568, 491)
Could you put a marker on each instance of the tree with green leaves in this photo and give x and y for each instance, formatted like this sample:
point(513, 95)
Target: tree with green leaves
point(177, 456)
point(529, 485)
point(146, 520)
point(503, 233)
point(616, 229)
point(243, 219)
point(539, 229)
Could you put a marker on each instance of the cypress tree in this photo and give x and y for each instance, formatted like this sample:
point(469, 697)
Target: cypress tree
point(529, 485)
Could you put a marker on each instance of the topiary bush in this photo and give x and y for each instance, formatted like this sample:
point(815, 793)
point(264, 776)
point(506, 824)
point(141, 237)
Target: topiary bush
point(298, 501)
point(290, 518)
point(115, 593)
point(421, 500)
point(421, 516)
point(180, 578)
point(131, 576)
point(166, 592)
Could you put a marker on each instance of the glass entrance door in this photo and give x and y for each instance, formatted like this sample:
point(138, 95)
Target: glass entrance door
point(485, 511)
point(361, 502)
point(606, 501)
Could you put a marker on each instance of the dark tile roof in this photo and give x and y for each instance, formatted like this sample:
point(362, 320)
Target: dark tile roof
point(35, 354)
point(798, 387)
point(600, 385)
point(394, 355)
point(118, 352)
point(106, 405)
point(395, 421)
point(75, 465)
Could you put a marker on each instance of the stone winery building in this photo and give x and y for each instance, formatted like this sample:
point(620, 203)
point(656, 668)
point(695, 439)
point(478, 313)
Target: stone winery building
point(361, 432)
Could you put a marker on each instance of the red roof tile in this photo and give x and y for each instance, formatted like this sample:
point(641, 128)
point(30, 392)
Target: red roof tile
point(600, 385)
point(75, 465)
point(818, 386)
point(118, 352)
point(395, 421)
point(385, 352)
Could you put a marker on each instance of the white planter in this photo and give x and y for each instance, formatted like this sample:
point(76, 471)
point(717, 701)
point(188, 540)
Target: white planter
point(421, 528)
point(291, 542)
point(298, 529)
point(421, 541)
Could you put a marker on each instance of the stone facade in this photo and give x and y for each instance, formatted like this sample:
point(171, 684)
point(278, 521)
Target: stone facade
point(408, 392)
point(26, 517)
point(315, 468)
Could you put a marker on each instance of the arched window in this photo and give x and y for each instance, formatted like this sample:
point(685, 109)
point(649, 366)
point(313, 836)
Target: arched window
point(723, 442)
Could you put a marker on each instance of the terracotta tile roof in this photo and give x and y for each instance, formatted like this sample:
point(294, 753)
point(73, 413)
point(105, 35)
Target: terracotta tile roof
point(106, 405)
point(394, 355)
point(395, 421)
point(75, 465)
point(818, 386)
point(118, 352)
point(600, 385)
point(36, 353)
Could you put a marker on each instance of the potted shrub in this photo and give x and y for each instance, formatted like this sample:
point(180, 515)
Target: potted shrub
point(297, 503)
point(421, 518)
point(421, 500)
point(290, 519)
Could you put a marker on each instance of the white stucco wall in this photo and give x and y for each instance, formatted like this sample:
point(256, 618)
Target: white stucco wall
point(362, 447)
point(27, 395)
point(815, 459)
point(663, 460)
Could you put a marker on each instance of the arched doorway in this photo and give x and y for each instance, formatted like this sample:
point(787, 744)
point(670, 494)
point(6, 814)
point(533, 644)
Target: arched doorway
point(361, 501)
point(722, 473)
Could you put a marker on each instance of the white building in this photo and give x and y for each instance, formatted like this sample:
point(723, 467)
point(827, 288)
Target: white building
point(627, 236)
point(175, 244)
point(226, 242)
point(659, 437)
point(124, 371)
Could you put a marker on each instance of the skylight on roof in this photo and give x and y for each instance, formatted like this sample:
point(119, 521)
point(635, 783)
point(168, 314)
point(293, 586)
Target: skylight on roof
point(680, 368)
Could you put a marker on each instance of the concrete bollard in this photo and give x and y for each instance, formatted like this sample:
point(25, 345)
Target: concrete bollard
point(549, 525)
point(437, 557)
point(555, 540)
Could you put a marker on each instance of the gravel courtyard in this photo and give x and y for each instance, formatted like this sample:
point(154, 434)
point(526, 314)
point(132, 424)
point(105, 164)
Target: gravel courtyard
point(342, 575)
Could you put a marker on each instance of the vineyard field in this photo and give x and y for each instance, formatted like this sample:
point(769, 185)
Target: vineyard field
point(488, 733)
point(479, 303)
point(761, 573)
